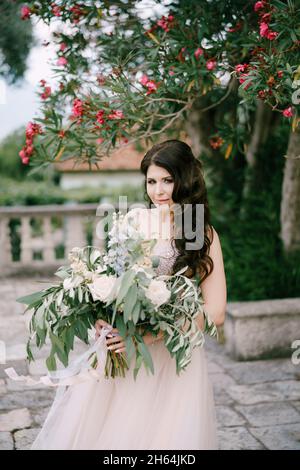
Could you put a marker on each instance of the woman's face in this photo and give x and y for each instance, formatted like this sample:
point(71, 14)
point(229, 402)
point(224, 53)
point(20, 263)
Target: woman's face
point(160, 185)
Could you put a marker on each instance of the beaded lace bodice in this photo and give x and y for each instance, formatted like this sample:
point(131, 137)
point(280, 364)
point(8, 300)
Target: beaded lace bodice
point(167, 253)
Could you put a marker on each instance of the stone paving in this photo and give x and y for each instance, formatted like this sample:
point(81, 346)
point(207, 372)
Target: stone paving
point(257, 402)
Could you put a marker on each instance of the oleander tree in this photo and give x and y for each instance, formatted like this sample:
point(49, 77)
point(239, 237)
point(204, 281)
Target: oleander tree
point(220, 70)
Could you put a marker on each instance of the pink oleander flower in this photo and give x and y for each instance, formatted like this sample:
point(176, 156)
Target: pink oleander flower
point(211, 64)
point(77, 12)
point(261, 94)
point(100, 140)
point(266, 18)
point(29, 150)
point(235, 28)
point(241, 68)
point(165, 23)
point(171, 71)
point(46, 93)
point(116, 114)
point(288, 112)
point(152, 87)
point(272, 35)
point(33, 129)
point(56, 10)
point(198, 52)
point(258, 6)
point(63, 46)
point(77, 109)
point(22, 153)
point(242, 80)
point(62, 61)
point(25, 12)
point(42, 82)
point(25, 160)
point(100, 117)
point(144, 80)
point(149, 84)
point(263, 29)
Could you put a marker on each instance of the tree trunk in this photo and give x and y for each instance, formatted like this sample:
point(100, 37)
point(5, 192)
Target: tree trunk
point(262, 124)
point(290, 201)
point(199, 127)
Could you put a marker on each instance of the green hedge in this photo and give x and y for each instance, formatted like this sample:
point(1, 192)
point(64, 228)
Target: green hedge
point(30, 193)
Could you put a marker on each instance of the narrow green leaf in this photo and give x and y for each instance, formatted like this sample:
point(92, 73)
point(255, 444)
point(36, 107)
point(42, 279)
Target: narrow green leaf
point(121, 327)
point(136, 312)
point(51, 362)
point(130, 348)
point(32, 298)
point(129, 303)
point(142, 348)
point(56, 342)
point(137, 367)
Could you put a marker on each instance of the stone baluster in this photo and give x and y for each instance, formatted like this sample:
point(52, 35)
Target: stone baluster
point(75, 236)
point(48, 252)
point(5, 245)
point(26, 245)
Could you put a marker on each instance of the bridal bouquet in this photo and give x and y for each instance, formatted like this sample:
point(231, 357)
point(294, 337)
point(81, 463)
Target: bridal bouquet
point(121, 287)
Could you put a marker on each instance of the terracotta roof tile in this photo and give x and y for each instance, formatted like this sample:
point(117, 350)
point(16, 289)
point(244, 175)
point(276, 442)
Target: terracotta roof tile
point(127, 158)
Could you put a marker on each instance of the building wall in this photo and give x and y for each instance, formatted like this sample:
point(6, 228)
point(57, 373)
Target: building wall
point(113, 179)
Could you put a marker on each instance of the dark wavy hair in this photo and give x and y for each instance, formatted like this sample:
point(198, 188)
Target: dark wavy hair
point(189, 188)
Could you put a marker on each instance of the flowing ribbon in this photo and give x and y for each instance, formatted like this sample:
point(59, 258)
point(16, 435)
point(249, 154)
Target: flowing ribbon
point(78, 371)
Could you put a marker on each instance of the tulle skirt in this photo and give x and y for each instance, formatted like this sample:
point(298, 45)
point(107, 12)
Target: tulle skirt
point(161, 411)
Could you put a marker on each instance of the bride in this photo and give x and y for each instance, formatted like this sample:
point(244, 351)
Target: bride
point(161, 411)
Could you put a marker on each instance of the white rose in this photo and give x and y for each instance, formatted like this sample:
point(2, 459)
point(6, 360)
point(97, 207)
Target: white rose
point(158, 293)
point(102, 287)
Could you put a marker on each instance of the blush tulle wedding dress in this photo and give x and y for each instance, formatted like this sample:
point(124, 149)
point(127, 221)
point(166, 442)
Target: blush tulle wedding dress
point(161, 411)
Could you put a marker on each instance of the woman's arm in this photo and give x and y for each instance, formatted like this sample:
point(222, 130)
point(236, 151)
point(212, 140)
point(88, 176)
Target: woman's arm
point(214, 286)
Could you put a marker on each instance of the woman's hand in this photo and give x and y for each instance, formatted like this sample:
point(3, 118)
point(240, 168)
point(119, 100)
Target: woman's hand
point(114, 341)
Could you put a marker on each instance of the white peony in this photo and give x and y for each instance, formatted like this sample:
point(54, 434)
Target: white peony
point(102, 287)
point(158, 293)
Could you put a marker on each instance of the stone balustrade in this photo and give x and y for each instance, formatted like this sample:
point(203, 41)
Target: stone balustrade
point(38, 237)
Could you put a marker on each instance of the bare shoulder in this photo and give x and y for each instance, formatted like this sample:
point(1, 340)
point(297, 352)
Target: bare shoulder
point(213, 237)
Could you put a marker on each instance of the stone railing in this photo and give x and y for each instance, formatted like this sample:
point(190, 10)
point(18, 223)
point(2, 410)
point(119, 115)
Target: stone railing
point(39, 237)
